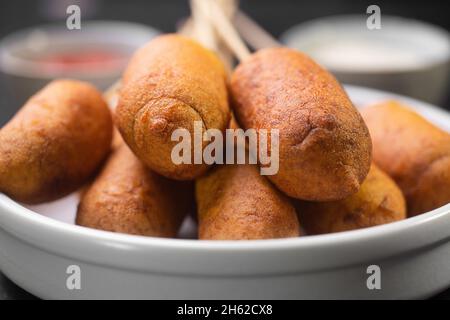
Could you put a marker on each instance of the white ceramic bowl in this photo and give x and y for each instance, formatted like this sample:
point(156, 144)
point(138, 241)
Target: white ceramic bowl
point(406, 56)
point(414, 254)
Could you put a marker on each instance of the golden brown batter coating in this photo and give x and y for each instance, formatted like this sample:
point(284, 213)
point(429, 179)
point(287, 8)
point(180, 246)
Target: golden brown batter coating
point(236, 203)
point(170, 83)
point(414, 152)
point(378, 201)
point(55, 143)
point(129, 198)
point(324, 144)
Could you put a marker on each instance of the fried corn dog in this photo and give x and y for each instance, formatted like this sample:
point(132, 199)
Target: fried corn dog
point(55, 143)
point(235, 202)
point(170, 83)
point(378, 201)
point(129, 198)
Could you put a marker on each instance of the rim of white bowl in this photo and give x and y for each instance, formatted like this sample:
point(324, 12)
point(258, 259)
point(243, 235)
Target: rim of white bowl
point(324, 251)
point(443, 57)
point(110, 30)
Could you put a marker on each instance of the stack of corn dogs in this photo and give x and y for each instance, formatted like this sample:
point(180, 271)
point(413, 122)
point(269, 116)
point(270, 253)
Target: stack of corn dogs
point(338, 170)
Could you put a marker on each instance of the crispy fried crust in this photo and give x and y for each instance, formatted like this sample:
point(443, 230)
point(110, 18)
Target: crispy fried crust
point(55, 143)
point(325, 147)
point(236, 203)
point(129, 198)
point(170, 83)
point(414, 152)
point(379, 201)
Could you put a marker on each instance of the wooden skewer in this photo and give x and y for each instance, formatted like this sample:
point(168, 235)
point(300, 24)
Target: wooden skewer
point(229, 7)
point(224, 28)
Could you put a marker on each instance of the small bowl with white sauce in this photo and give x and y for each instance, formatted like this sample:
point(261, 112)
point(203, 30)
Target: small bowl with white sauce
point(404, 56)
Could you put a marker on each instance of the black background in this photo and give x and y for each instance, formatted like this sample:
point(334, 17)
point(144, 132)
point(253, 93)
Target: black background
point(275, 16)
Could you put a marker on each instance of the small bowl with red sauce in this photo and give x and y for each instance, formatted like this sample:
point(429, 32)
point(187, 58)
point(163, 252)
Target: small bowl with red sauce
point(97, 53)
